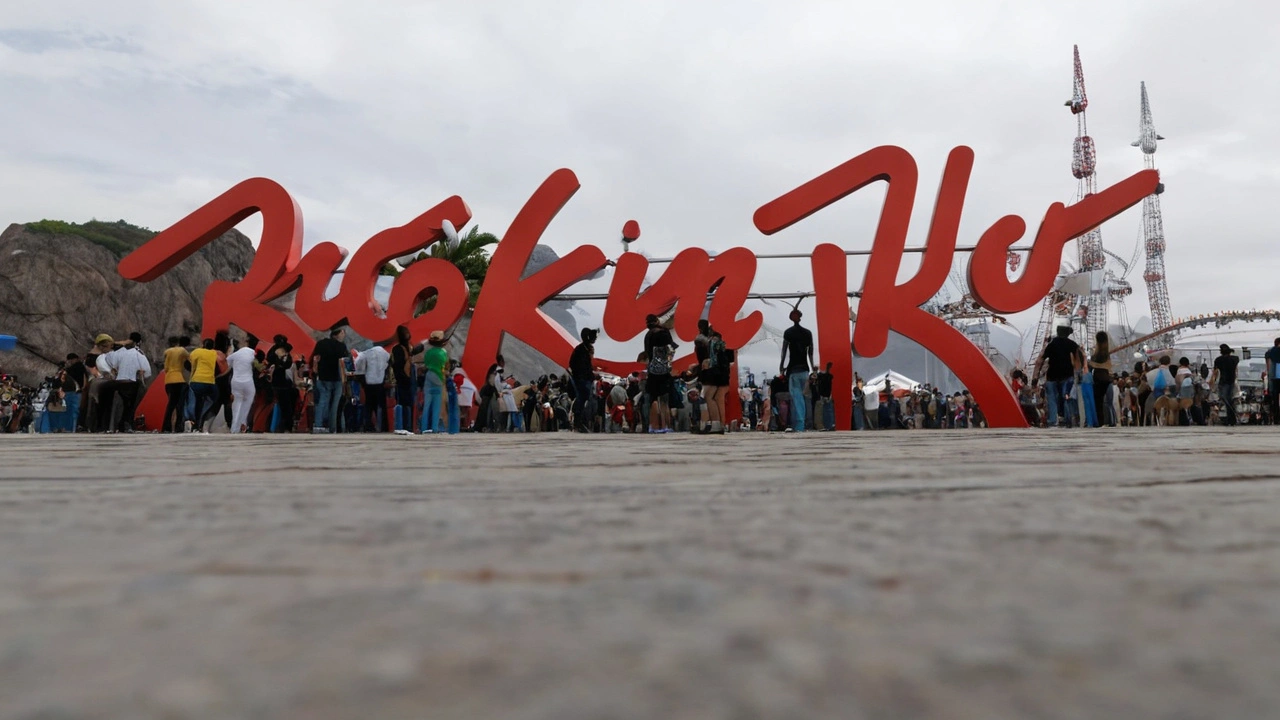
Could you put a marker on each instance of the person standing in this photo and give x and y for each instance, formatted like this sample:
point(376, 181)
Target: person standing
point(434, 362)
point(451, 400)
point(280, 364)
point(330, 374)
point(582, 371)
point(1273, 382)
point(242, 363)
point(108, 385)
point(175, 385)
point(204, 374)
point(222, 346)
point(871, 407)
point(374, 362)
point(658, 347)
point(490, 398)
point(468, 399)
point(859, 420)
point(798, 343)
point(77, 376)
point(824, 408)
point(1224, 379)
point(131, 369)
point(1062, 355)
point(1100, 367)
point(99, 376)
point(402, 369)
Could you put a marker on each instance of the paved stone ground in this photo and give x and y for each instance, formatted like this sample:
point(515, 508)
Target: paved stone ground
point(979, 574)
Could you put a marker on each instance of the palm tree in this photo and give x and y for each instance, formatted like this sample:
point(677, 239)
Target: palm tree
point(468, 255)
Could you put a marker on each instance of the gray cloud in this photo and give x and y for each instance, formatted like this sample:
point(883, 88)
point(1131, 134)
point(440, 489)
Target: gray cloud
point(683, 116)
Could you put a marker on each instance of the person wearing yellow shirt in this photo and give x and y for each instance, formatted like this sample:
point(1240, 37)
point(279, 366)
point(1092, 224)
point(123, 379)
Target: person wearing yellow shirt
point(175, 384)
point(204, 371)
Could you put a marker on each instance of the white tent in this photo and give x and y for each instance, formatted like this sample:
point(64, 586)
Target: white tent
point(897, 381)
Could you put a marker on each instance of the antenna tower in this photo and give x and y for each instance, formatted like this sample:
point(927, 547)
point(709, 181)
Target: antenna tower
point(1153, 230)
point(1084, 161)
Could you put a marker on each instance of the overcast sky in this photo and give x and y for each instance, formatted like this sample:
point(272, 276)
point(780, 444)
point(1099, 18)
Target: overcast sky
point(685, 116)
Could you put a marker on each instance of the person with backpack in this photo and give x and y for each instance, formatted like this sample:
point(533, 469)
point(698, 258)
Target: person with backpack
point(1185, 382)
point(658, 347)
point(715, 380)
point(1161, 404)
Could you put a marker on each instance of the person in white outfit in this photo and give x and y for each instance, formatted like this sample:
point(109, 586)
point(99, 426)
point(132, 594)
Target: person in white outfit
point(242, 363)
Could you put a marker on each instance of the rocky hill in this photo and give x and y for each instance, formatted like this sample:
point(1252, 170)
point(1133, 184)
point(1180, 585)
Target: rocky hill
point(59, 288)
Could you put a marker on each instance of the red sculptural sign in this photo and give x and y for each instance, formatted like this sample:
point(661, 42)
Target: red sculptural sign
point(510, 305)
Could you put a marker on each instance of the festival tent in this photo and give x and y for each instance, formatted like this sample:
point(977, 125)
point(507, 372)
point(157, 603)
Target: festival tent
point(898, 382)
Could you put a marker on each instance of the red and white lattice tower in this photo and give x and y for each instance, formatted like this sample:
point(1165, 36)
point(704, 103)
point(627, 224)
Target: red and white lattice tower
point(1084, 161)
point(1153, 230)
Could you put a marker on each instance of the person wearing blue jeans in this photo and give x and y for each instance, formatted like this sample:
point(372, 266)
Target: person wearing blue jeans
point(328, 396)
point(451, 392)
point(433, 392)
point(1085, 387)
point(797, 382)
point(1053, 400)
point(1063, 357)
point(328, 366)
point(798, 343)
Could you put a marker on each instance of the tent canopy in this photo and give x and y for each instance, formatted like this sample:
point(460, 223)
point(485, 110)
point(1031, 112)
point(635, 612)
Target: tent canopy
point(897, 381)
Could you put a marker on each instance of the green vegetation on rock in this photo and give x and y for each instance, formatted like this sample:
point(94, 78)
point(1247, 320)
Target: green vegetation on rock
point(119, 237)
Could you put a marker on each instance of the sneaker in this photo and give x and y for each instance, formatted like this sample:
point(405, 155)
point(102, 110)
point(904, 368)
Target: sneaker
point(319, 431)
point(188, 426)
point(789, 430)
point(403, 432)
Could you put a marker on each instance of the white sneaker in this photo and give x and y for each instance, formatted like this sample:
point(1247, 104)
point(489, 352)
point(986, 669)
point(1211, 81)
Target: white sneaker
point(403, 432)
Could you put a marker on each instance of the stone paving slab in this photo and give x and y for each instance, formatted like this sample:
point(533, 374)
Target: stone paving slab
point(965, 574)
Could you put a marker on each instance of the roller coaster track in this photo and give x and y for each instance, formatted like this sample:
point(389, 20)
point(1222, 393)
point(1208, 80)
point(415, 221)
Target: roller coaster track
point(1218, 319)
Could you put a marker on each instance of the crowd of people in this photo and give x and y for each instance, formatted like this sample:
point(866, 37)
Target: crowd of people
point(419, 388)
point(1068, 389)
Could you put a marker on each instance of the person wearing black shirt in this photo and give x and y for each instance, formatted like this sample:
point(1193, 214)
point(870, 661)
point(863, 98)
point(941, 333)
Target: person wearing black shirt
point(1224, 379)
point(1273, 382)
point(779, 401)
point(74, 382)
point(658, 348)
point(582, 369)
point(798, 342)
point(402, 370)
point(824, 409)
point(279, 362)
point(330, 374)
point(1063, 357)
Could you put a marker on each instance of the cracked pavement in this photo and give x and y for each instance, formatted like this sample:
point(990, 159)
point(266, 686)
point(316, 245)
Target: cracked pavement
point(959, 574)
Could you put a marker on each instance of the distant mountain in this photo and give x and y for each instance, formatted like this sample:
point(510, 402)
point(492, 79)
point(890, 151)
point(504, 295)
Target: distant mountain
point(59, 289)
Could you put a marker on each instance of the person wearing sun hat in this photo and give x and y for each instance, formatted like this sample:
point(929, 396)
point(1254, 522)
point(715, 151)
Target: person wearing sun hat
point(434, 362)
